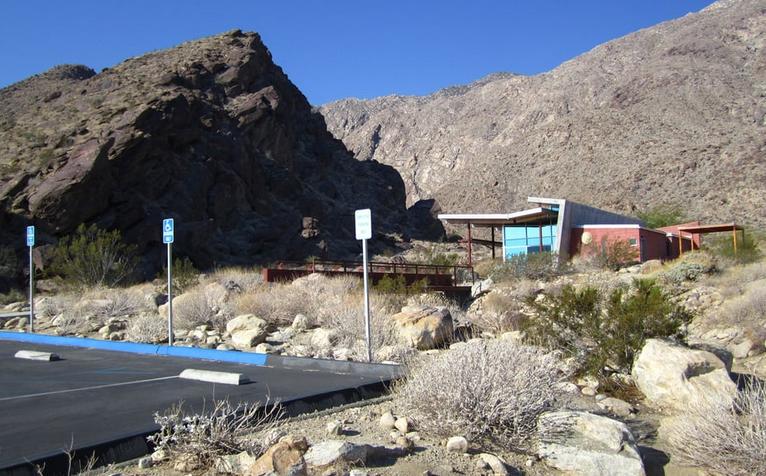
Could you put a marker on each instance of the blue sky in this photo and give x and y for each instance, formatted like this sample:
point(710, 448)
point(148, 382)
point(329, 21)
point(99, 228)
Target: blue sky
point(333, 49)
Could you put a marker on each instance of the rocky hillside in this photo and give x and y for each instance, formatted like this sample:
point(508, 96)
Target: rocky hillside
point(673, 113)
point(211, 132)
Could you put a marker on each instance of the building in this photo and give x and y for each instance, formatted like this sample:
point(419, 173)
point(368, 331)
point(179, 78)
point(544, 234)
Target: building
point(573, 229)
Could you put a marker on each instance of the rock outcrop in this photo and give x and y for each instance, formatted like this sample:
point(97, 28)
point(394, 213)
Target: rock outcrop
point(659, 115)
point(424, 327)
point(673, 377)
point(583, 443)
point(212, 133)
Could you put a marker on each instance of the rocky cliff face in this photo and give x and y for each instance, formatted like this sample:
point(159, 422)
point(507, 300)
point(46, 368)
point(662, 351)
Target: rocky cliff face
point(673, 113)
point(212, 133)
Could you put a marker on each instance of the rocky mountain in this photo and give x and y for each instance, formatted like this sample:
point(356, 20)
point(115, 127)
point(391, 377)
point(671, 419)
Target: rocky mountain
point(675, 113)
point(212, 133)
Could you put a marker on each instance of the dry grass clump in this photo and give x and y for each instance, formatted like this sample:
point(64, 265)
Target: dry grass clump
point(721, 438)
point(106, 303)
point(734, 280)
point(486, 390)
point(346, 317)
point(241, 279)
point(201, 305)
point(221, 430)
point(500, 313)
point(148, 327)
point(279, 303)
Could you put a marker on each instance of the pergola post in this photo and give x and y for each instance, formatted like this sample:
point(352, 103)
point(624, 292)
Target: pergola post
point(493, 241)
point(734, 238)
point(470, 243)
point(540, 231)
point(680, 243)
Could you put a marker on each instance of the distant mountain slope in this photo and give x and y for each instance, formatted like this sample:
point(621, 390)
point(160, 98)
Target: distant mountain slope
point(211, 132)
point(672, 113)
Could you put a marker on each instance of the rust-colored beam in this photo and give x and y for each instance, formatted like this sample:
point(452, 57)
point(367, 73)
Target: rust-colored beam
point(470, 245)
point(734, 239)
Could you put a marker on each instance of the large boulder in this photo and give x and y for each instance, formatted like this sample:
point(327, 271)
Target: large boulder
point(672, 376)
point(249, 338)
point(245, 322)
point(424, 327)
point(586, 444)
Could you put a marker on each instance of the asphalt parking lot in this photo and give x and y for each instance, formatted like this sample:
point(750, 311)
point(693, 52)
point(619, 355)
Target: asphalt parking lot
point(95, 396)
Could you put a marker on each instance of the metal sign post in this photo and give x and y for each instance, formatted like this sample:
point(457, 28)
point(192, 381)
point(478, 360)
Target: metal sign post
point(31, 245)
point(168, 236)
point(363, 222)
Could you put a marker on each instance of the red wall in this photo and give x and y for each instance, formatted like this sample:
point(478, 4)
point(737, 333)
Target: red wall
point(649, 244)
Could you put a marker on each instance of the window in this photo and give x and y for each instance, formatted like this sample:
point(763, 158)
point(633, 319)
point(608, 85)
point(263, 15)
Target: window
point(632, 242)
point(528, 239)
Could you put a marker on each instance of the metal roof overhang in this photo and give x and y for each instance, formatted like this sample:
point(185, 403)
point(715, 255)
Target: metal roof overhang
point(498, 219)
point(710, 228)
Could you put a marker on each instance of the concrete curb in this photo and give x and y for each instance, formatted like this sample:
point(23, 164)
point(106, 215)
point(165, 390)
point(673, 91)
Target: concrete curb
point(225, 378)
point(36, 355)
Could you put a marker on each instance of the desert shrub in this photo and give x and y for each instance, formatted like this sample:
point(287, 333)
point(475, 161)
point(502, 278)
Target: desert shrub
point(13, 295)
point(202, 305)
point(435, 257)
point(118, 302)
point(605, 332)
point(185, 275)
point(398, 285)
point(485, 390)
point(9, 262)
point(724, 438)
point(662, 215)
point(733, 280)
point(748, 249)
point(147, 327)
point(691, 266)
point(347, 319)
point(221, 430)
point(536, 266)
point(500, 313)
point(93, 257)
point(617, 254)
point(276, 303)
point(240, 279)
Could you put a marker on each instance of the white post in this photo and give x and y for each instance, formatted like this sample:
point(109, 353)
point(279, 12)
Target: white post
point(31, 292)
point(170, 294)
point(367, 326)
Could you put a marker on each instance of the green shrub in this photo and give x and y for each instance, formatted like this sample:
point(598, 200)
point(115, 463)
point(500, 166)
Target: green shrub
point(663, 215)
point(93, 257)
point(748, 249)
point(398, 285)
point(185, 275)
point(13, 295)
point(536, 266)
point(606, 332)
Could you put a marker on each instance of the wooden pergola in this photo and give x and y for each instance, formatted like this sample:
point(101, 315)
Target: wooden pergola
point(705, 229)
point(539, 215)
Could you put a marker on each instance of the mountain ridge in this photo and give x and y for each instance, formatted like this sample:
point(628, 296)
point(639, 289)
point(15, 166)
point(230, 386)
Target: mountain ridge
point(668, 113)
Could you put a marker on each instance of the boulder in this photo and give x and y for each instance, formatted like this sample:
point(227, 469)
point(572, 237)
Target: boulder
point(498, 466)
point(388, 421)
point(301, 322)
point(248, 339)
point(244, 322)
point(283, 458)
point(583, 443)
point(324, 339)
point(673, 377)
point(404, 425)
point(424, 327)
point(457, 444)
point(481, 287)
point(332, 452)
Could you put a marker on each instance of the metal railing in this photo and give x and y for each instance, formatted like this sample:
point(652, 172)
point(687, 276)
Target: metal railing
point(459, 273)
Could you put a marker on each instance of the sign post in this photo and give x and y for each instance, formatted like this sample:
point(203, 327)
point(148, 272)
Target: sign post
point(31, 245)
point(168, 236)
point(363, 226)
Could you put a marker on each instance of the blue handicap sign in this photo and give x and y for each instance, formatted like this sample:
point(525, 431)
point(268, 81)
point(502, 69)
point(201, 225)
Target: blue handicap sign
point(168, 231)
point(30, 236)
